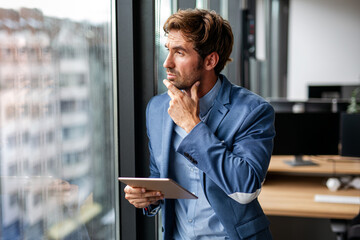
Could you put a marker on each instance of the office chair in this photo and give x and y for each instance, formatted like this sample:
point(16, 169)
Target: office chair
point(354, 229)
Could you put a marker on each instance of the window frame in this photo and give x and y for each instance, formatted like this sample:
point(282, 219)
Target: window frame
point(135, 86)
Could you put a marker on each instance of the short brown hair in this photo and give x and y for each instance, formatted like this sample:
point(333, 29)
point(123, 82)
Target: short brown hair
point(207, 30)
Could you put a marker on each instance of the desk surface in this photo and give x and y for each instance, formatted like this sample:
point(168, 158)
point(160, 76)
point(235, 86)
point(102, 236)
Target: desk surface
point(294, 196)
point(290, 191)
point(327, 165)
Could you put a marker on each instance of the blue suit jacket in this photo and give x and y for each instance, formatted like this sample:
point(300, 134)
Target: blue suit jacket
point(233, 149)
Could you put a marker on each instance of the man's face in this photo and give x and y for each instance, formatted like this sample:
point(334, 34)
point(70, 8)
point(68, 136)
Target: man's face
point(183, 64)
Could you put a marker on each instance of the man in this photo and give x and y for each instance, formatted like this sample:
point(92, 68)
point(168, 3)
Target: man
point(212, 137)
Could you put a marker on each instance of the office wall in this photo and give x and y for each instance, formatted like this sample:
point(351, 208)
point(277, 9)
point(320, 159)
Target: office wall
point(324, 44)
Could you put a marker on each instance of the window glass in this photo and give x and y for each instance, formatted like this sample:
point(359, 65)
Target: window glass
point(56, 120)
point(163, 8)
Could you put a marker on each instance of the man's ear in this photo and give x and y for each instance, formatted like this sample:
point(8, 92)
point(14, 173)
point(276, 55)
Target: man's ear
point(211, 61)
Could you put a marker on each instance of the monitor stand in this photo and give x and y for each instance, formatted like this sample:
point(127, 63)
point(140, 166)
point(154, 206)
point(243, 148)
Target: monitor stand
point(299, 161)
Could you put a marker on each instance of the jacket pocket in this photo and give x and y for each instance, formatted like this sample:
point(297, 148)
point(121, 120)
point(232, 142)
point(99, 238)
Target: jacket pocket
point(252, 227)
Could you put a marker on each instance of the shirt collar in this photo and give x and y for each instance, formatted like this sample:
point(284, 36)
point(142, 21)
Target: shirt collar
point(207, 101)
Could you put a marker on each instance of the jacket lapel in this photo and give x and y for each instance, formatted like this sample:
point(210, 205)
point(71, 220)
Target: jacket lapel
point(219, 109)
point(217, 114)
point(168, 128)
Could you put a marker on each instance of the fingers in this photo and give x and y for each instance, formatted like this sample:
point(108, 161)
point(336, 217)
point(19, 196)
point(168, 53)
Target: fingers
point(128, 189)
point(148, 194)
point(142, 203)
point(140, 192)
point(194, 91)
point(141, 198)
point(172, 89)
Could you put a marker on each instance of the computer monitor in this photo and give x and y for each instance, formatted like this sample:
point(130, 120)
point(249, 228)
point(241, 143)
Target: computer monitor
point(310, 105)
point(301, 134)
point(331, 91)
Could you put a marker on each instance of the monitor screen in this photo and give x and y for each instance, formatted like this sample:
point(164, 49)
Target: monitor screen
point(306, 133)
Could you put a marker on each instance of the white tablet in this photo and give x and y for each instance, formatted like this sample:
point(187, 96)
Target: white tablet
point(166, 186)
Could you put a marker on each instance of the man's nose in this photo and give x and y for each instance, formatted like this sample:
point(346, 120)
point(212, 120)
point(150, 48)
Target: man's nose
point(168, 63)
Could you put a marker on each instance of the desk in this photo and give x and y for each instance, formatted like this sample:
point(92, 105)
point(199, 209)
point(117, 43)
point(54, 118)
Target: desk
point(327, 165)
point(290, 191)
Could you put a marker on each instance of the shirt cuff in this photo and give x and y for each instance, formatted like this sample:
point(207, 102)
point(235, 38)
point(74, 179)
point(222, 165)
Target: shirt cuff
point(151, 210)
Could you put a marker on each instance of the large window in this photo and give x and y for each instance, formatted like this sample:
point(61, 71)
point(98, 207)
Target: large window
point(57, 163)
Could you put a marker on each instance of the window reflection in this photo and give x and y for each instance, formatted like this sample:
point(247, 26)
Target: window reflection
point(56, 147)
point(163, 8)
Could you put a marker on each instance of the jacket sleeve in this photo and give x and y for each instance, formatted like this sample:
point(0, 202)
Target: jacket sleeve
point(239, 169)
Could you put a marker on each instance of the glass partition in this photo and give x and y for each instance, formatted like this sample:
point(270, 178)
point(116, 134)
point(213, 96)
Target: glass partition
point(56, 120)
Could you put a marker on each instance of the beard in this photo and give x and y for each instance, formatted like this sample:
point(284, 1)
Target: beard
point(186, 80)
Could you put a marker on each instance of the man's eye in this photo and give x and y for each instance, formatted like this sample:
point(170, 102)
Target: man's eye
point(179, 52)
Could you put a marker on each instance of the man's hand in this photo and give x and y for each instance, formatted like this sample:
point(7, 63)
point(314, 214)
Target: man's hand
point(141, 198)
point(184, 107)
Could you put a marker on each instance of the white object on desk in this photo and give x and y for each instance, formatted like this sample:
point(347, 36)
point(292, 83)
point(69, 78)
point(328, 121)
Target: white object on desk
point(337, 199)
point(333, 184)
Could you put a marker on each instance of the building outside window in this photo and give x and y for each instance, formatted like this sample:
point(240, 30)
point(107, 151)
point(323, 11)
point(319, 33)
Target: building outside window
point(57, 174)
